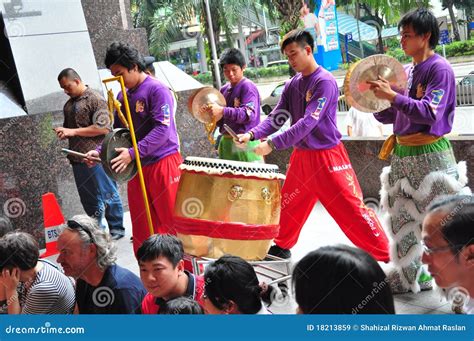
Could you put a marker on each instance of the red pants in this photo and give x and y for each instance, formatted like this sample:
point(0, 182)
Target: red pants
point(327, 175)
point(161, 181)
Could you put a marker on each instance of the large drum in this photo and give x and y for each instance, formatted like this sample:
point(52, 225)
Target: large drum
point(227, 207)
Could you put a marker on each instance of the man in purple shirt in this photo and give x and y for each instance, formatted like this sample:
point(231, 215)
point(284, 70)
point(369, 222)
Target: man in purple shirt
point(242, 110)
point(422, 164)
point(319, 168)
point(152, 108)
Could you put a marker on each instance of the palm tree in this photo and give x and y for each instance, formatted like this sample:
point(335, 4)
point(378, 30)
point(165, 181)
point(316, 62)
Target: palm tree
point(449, 4)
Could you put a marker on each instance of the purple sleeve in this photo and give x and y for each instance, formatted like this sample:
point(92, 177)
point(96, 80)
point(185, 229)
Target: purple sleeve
point(386, 116)
point(276, 119)
point(316, 111)
point(248, 108)
point(433, 103)
point(161, 110)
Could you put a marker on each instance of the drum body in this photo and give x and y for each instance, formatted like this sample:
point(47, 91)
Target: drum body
point(227, 207)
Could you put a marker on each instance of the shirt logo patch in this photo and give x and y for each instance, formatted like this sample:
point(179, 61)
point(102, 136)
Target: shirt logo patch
point(139, 106)
point(249, 108)
point(165, 109)
point(437, 96)
point(309, 94)
point(236, 102)
point(317, 112)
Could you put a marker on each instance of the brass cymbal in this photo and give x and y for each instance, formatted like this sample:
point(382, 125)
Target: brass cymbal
point(357, 90)
point(202, 97)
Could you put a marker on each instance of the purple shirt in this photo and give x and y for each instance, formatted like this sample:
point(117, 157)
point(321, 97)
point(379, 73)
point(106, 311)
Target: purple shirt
point(429, 102)
point(311, 102)
point(242, 111)
point(152, 108)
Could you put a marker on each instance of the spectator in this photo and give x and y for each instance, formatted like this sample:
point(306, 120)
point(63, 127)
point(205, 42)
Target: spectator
point(180, 306)
point(448, 247)
point(29, 285)
point(161, 263)
point(86, 121)
point(149, 68)
point(363, 124)
point(341, 280)
point(232, 288)
point(87, 253)
point(5, 225)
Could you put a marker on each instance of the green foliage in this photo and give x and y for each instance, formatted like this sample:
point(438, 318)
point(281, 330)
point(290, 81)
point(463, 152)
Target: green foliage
point(455, 49)
point(458, 48)
point(251, 73)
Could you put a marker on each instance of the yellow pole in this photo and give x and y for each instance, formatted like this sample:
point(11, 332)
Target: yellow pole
point(135, 148)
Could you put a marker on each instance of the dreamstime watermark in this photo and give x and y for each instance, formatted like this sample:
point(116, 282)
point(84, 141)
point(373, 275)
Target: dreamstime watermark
point(46, 329)
point(455, 211)
point(14, 208)
point(103, 297)
point(102, 119)
point(458, 296)
point(14, 28)
point(280, 116)
point(377, 287)
point(287, 198)
point(192, 208)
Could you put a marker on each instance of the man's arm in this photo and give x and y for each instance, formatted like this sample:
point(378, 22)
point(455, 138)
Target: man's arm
point(432, 105)
point(276, 119)
point(316, 111)
point(247, 109)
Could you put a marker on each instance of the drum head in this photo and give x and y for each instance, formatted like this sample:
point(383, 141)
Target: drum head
point(118, 138)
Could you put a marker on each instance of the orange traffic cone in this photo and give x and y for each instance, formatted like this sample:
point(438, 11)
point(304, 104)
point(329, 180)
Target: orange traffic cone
point(53, 218)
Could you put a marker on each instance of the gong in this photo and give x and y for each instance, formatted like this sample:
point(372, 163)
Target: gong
point(118, 138)
point(357, 90)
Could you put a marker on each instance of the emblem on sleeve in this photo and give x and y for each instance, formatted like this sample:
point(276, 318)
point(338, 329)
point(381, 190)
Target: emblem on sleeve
point(165, 109)
point(317, 112)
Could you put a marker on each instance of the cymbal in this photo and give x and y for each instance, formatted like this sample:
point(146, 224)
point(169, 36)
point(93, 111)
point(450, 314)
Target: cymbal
point(202, 97)
point(357, 90)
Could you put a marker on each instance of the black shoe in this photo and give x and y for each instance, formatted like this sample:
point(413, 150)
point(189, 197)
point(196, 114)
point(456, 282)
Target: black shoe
point(117, 236)
point(277, 251)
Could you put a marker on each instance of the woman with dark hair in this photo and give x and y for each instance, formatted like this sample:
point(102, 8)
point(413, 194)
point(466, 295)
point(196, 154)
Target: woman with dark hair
point(29, 285)
point(231, 287)
point(341, 280)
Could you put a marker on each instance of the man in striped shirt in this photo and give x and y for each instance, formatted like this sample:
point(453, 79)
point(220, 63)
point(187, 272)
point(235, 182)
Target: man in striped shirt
point(29, 285)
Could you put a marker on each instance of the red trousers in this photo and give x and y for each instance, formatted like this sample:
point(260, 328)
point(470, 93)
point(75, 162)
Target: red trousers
point(161, 181)
point(327, 175)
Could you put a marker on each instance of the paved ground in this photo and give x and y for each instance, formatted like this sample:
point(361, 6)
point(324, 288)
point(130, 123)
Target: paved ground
point(319, 230)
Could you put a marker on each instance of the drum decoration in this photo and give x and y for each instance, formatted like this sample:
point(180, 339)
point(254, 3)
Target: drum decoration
point(357, 90)
point(199, 107)
point(227, 207)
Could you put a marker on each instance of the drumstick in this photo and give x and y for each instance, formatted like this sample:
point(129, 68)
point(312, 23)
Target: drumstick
point(72, 152)
point(231, 132)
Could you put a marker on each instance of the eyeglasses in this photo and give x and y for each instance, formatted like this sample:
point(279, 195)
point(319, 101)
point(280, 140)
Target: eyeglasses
point(431, 250)
point(76, 226)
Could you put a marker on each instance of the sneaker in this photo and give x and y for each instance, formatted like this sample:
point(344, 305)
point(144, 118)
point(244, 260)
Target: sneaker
point(277, 251)
point(117, 236)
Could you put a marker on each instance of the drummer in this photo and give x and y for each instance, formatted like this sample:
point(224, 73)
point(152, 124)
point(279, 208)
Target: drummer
point(422, 165)
point(320, 168)
point(242, 110)
point(152, 108)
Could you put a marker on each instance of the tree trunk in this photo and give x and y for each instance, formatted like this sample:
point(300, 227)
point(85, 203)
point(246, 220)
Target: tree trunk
point(453, 21)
